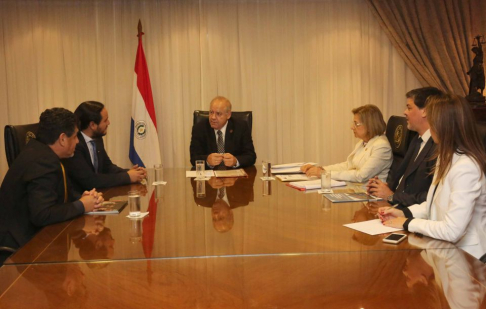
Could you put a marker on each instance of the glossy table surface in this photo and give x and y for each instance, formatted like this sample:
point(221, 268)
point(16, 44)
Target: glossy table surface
point(266, 246)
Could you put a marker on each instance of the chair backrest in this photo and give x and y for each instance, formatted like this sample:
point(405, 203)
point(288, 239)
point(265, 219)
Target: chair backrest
point(399, 137)
point(16, 137)
point(482, 132)
point(246, 116)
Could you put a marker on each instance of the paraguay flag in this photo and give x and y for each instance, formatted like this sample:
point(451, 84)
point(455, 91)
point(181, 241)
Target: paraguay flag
point(144, 143)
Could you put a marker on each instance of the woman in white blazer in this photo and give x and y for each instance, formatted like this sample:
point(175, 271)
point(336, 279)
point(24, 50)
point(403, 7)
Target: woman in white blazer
point(371, 157)
point(455, 209)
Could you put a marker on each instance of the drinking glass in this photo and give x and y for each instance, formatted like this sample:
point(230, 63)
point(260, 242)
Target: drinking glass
point(267, 170)
point(159, 173)
point(134, 203)
point(200, 167)
point(326, 181)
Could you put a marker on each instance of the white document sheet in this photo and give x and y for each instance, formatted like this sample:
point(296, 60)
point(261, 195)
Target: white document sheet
point(372, 227)
point(289, 168)
point(315, 184)
point(207, 174)
point(293, 177)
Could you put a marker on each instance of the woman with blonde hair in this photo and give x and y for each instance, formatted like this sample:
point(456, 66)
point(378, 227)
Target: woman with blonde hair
point(371, 157)
point(455, 209)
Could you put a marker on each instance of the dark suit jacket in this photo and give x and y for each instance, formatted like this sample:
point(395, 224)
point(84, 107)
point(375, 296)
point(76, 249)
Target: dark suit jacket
point(237, 141)
point(418, 179)
point(32, 195)
point(82, 173)
point(240, 194)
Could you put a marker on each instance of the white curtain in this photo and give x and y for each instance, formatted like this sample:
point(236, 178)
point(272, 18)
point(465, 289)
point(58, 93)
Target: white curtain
point(299, 65)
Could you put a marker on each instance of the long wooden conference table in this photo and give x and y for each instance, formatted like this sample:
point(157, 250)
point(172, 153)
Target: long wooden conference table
point(267, 246)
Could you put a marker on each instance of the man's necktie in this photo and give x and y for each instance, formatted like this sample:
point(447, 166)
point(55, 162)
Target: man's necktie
point(221, 192)
point(95, 155)
point(220, 149)
point(220, 142)
point(401, 186)
point(65, 183)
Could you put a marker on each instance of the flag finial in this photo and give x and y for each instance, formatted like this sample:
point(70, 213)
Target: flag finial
point(140, 33)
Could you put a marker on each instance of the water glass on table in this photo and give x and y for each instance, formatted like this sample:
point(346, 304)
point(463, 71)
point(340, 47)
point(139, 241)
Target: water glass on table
point(326, 181)
point(200, 169)
point(159, 174)
point(267, 170)
point(134, 203)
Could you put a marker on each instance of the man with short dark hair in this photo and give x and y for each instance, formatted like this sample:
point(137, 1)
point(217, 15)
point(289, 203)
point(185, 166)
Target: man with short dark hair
point(36, 191)
point(91, 166)
point(222, 141)
point(411, 181)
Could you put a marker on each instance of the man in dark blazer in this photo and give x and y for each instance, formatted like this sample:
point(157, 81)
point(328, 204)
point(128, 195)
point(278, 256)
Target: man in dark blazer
point(36, 190)
point(91, 167)
point(411, 181)
point(222, 141)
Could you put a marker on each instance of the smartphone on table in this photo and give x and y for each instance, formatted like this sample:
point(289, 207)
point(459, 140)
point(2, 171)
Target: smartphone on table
point(394, 238)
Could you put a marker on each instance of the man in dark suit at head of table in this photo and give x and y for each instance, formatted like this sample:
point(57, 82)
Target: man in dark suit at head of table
point(36, 190)
point(411, 181)
point(222, 142)
point(91, 167)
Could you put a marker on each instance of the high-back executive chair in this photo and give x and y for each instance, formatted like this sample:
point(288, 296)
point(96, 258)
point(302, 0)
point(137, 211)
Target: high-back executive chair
point(16, 137)
point(246, 116)
point(399, 137)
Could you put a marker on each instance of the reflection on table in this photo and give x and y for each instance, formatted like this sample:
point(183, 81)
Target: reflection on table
point(282, 249)
point(180, 224)
point(222, 195)
point(371, 279)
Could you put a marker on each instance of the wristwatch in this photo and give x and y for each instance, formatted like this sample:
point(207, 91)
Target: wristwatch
point(390, 199)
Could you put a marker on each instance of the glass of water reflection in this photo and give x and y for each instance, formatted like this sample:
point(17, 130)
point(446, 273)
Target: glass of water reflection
point(134, 203)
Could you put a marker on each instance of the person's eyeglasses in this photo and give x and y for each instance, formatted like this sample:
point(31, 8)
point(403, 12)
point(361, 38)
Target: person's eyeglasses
point(357, 124)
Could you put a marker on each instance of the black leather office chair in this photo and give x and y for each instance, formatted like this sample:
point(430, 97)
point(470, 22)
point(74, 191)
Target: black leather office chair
point(399, 137)
point(16, 137)
point(246, 116)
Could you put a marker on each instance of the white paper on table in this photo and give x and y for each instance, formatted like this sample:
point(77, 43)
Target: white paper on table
point(372, 227)
point(315, 184)
point(192, 174)
point(289, 168)
point(293, 177)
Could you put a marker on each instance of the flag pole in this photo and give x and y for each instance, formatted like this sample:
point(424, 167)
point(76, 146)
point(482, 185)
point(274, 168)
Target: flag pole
point(140, 33)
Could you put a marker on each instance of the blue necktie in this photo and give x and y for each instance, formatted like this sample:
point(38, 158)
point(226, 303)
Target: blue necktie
point(95, 155)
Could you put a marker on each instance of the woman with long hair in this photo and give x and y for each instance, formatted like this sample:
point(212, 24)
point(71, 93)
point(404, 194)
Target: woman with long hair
point(455, 209)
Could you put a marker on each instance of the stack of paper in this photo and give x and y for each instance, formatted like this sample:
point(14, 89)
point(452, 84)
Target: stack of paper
point(231, 173)
point(351, 197)
point(314, 184)
point(289, 168)
point(293, 177)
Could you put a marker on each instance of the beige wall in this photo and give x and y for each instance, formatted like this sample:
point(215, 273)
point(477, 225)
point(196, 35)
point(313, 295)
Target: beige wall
point(300, 66)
